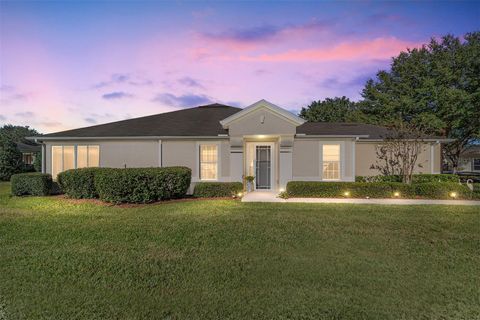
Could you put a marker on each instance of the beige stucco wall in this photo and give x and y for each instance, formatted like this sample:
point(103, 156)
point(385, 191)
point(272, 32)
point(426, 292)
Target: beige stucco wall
point(115, 153)
point(146, 153)
point(250, 124)
point(307, 158)
point(185, 153)
point(366, 156)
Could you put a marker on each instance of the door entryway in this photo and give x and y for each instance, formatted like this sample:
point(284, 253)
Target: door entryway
point(263, 165)
point(260, 164)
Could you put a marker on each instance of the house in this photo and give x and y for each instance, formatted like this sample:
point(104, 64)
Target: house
point(224, 143)
point(29, 152)
point(470, 159)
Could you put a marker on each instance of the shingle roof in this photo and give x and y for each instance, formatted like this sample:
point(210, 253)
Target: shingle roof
point(340, 128)
point(26, 148)
point(199, 121)
point(205, 121)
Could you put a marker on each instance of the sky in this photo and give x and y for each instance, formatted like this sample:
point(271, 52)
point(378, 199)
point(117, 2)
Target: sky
point(71, 64)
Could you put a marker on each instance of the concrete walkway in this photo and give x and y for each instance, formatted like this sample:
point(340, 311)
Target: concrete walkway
point(264, 196)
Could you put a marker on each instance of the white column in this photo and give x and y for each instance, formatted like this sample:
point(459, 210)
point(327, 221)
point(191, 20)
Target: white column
point(236, 159)
point(160, 164)
point(286, 161)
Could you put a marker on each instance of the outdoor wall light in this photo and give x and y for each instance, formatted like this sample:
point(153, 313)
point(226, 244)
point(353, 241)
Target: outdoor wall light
point(346, 193)
point(396, 194)
point(453, 195)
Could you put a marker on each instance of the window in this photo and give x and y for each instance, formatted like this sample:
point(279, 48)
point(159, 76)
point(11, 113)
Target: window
point(208, 162)
point(63, 158)
point(476, 164)
point(331, 162)
point(87, 156)
point(27, 158)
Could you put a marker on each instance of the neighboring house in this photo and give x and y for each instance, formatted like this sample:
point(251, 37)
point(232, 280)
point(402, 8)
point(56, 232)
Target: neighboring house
point(28, 151)
point(470, 159)
point(223, 143)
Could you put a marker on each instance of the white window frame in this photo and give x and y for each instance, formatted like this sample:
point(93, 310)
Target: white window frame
point(75, 155)
point(473, 164)
point(199, 171)
point(88, 158)
point(342, 159)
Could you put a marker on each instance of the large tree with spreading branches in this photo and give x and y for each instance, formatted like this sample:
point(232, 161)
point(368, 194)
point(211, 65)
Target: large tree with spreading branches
point(436, 87)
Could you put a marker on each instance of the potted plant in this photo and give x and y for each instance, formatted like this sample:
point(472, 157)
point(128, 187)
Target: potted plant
point(249, 180)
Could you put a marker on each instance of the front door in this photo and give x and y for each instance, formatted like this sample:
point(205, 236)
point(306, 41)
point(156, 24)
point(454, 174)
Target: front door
point(263, 167)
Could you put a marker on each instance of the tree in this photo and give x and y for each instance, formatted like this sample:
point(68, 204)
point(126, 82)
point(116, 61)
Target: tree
point(398, 154)
point(436, 87)
point(16, 133)
point(332, 110)
point(10, 160)
point(13, 134)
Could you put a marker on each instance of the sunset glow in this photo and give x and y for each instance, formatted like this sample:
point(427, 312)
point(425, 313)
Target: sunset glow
point(73, 64)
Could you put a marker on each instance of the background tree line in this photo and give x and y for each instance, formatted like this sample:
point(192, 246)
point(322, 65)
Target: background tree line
point(435, 89)
point(11, 161)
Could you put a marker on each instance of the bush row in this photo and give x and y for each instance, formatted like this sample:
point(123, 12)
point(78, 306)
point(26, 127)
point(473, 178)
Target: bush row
point(130, 185)
point(79, 183)
point(426, 190)
point(142, 185)
point(416, 178)
point(33, 184)
point(217, 189)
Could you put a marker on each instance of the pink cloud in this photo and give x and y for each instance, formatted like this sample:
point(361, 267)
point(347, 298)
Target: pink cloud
point(378, 48)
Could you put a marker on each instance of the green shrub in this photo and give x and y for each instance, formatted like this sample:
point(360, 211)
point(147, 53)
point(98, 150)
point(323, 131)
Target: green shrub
point(34, 184)
point(416, 178)
point(217, 189)
point(10, 160)
point(423, 178)
point(78, 183)
point(142, 185)
point(379, 178)
point(427, 190)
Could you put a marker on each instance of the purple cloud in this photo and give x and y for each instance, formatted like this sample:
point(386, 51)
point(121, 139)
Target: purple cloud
point(116, 95)
point(7, 88)
point(186, 100)
point(50, 124)
point(190, 82)
point(2, 118)
point(254, 34)
point(268, 32)
point(26, 114)
point(90, 120)
point(123, 78)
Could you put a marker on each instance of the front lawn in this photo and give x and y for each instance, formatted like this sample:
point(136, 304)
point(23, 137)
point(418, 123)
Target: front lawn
point(222, 259)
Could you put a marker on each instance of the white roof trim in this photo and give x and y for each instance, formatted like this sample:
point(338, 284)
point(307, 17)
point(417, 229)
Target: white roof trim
point(263, 104)
point(40, 138)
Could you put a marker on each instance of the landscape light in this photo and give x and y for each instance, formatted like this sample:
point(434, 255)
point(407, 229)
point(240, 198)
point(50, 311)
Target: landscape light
point(346, 193)
point(239, 194)
point(396, 194)
point(453, 194)
point(282, 190)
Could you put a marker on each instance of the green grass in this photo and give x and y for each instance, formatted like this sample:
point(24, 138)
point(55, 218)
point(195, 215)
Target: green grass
point(231, 260)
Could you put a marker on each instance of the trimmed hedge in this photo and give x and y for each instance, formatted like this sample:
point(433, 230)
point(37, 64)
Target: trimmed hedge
point(217, 189)
point(427, 190)
point(142, 185)
point(416, 178)
point(33, 184)
point(79, 183)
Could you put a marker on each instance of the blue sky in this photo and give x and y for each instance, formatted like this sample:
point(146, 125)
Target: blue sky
point(76, 63)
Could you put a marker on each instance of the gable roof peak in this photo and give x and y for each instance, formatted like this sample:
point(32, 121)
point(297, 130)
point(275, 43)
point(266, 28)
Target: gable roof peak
point(287, 115)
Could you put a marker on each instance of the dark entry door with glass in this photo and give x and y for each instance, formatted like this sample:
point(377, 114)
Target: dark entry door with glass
point(263, 164)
